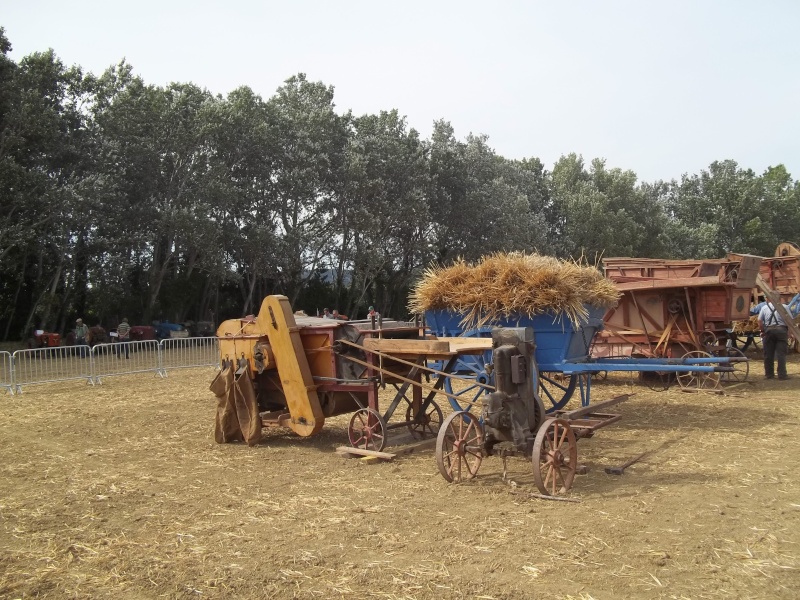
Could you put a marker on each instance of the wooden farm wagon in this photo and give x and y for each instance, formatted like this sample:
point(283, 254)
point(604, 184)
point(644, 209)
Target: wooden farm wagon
point(670, 308)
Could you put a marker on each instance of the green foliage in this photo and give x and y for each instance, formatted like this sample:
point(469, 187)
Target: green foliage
point(124, 197)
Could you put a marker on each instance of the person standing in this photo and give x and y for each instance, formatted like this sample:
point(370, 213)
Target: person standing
point(124, 336)
point(81, 332)
point(775, 334)
point(326, 314)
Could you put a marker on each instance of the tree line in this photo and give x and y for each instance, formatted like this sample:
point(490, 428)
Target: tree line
point(122, 198)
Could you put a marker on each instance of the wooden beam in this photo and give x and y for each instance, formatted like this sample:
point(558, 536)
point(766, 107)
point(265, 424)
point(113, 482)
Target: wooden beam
point(276, 321)
point(465, 345)
point(364, 452)
point(400, 346)
point(660, 284)
point(776, 302)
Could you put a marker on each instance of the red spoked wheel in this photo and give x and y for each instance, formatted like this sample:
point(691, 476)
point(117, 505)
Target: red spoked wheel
point(367, 430)
point(459, 447)
point(555, 457)
point(424, 425)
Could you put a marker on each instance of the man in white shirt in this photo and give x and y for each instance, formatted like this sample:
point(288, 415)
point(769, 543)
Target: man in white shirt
point(775, 335)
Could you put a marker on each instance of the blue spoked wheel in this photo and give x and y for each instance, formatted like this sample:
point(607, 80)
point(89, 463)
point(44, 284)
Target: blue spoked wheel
point(555, 389)
point(471, 370)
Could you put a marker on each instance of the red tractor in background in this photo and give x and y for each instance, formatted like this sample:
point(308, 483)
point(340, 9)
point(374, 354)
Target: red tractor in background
point(43, 339)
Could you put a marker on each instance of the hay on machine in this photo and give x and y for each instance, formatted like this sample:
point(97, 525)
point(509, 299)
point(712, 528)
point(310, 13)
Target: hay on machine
point(504, 285)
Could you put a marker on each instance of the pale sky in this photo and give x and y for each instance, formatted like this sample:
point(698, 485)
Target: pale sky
point(660, 88)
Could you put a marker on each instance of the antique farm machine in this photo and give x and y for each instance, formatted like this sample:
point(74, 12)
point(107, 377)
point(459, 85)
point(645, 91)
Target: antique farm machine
point(287, 371)
point(543, 317)
point(779, 279)
point(673, 307)
point(534, 314)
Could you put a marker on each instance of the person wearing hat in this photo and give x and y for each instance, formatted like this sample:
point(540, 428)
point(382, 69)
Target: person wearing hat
point(372, 313)
point(81, 331)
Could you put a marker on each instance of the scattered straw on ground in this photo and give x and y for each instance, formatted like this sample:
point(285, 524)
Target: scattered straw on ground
point(118, 491)
point(504, 285)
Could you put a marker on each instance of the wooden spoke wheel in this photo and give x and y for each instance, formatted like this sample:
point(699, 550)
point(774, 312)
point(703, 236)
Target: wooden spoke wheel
point(425, 424)
point(459, 447)
point(555, 457)
point(699, 380)
point(556, 389)
point(367, 430)
point(741, 369)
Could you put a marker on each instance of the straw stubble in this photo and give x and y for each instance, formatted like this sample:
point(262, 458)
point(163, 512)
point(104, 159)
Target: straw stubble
point(501, 286)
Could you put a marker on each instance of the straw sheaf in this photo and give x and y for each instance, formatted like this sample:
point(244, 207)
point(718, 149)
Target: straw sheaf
point(507, 285)
point(748, 326)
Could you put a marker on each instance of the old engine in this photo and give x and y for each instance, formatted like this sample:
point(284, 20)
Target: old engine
point(513, 413)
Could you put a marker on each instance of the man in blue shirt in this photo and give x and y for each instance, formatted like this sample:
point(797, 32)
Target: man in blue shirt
point(775, 335)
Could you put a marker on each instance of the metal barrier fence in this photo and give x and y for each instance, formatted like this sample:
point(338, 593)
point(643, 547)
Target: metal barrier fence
point(48, 365)
point(126, 358)
point(7, 371)
point(183, 353)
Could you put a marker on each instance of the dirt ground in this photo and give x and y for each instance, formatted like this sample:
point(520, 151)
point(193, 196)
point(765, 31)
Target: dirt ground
point(119, 491)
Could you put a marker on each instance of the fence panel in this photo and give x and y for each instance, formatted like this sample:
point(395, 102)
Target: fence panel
point(7, 371)
point(183, 353)
point(125, 358)
point(48, 365)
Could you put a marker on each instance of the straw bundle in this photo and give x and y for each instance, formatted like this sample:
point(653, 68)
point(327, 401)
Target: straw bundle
point(515, 284)
point(749, 326)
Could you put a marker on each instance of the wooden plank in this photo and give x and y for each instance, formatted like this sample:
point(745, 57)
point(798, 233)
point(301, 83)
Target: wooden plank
point(414, 347)
point(462, 345)
point(689, 282)
point(364, 452)
point(776, 302)
point(276, 321)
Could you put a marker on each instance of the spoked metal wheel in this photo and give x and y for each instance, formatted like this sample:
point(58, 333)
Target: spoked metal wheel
point(708, 340)
point(741, 369)
point(556, 390)
point(459, 447)
point(698, 380)
point(470, 370)
point(555, 457)
point(367, 430)
point(427, 424)
point(658, 381)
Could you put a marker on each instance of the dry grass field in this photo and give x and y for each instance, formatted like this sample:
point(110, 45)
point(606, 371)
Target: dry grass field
point(119, 491)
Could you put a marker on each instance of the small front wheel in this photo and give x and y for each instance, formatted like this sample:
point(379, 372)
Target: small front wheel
point(424, 425)
point(555, 457)
point(367, 430)
point(700, 380)
point(459, 447)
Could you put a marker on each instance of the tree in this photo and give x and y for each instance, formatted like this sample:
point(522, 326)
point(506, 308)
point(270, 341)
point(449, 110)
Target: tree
point(306, 164)
point(383, 214)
